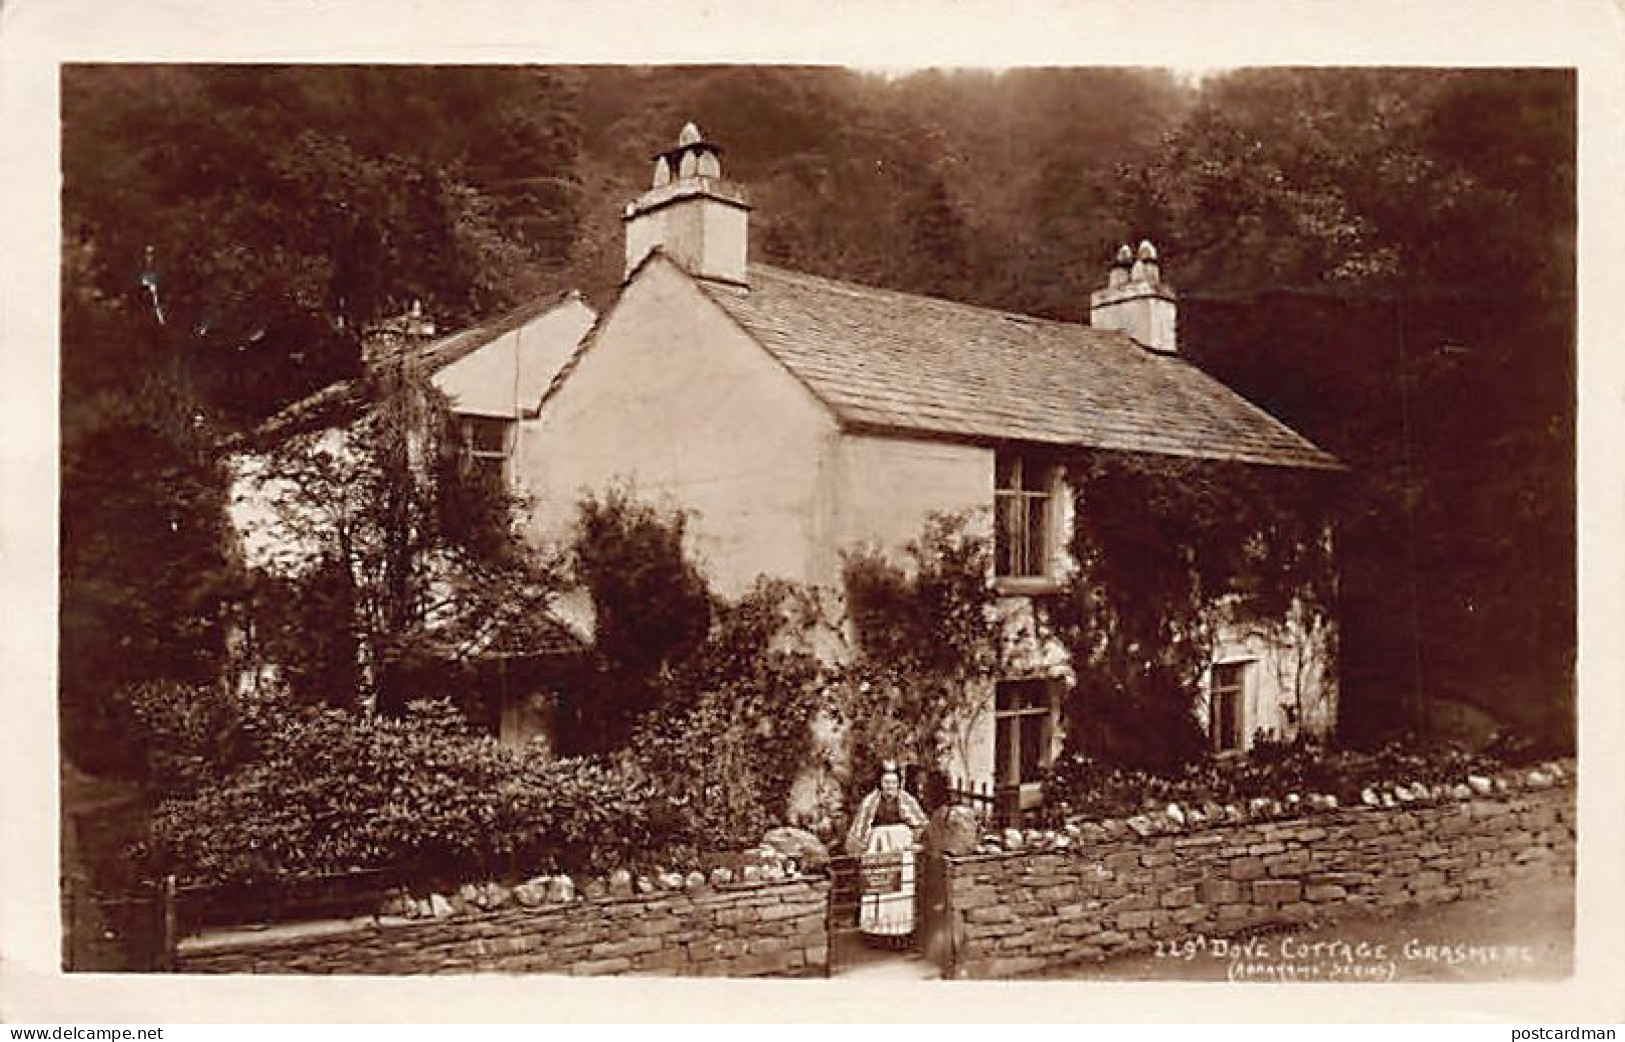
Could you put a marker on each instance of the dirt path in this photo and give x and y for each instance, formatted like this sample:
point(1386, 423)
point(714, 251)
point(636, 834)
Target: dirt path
point(1527, 935)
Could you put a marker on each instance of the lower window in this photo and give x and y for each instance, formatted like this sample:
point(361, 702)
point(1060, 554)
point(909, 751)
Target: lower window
point(1225, 700)
point(1023, 731)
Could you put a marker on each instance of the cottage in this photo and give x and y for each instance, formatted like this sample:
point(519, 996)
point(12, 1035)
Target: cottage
point(796, 416)
point(492, 375)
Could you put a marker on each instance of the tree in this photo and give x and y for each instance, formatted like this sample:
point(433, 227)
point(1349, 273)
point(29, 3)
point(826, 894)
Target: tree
point(384, 541)
point(1385, 258)
point(651, 611)
point(145, 566)
point(279, 212)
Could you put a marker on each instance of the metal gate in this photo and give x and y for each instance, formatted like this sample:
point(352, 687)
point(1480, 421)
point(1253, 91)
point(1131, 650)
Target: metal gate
point(851, 877)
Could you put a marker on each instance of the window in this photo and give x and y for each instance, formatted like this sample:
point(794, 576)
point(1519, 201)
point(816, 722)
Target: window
point(1021, 504)
point(487, 444)
point(1225, 700)
point(1023, 731)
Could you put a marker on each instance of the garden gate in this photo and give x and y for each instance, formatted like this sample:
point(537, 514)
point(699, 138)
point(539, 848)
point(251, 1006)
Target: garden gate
point(851, 877)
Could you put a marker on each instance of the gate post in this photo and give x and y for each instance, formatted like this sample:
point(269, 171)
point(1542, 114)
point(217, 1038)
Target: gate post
point(952, 831)
point(168, 924)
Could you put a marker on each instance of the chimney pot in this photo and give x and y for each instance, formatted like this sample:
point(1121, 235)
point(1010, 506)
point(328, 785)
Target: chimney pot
point(693, 214)
point(1135, 300)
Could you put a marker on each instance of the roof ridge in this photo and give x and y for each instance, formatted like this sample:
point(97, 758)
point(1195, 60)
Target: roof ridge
point(948, 302)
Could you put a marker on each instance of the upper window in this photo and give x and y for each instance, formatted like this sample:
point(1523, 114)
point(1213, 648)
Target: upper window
point(1226, 697)
point(487, 445)
point(1024, 731)
point(1021, 503)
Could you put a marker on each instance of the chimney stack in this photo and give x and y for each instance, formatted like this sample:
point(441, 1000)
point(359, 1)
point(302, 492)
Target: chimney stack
point(1136, 300)
point(698, 219)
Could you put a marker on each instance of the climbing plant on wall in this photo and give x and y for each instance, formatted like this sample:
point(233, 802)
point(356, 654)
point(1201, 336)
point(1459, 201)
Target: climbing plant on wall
point(1167, 552)
point(929, 640)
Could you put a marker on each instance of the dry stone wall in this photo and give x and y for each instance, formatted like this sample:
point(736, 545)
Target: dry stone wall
point(1026, 911)
point(751, 929)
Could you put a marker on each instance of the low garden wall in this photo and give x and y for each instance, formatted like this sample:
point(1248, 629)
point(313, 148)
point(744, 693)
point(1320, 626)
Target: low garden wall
point(748, 929)
point(1121, 889)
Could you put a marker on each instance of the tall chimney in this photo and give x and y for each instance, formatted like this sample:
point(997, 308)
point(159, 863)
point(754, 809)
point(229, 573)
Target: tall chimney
point(698, 219)
point(1136, 300)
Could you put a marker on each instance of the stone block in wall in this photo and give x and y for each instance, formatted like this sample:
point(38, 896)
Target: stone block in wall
point(1290, 863)
point(659, 925)
point(1218, 891)
point(627, 946)
point(1131, 902)
point(1198, 841)
point(1133, 920)
point(1325, 894)
point(774, 913)
point(1276, 891)
point(1427, 880)
point(600, 967)
point(1246, 869)
point(1178, 897)
point(1297, 912)
point(997, 913)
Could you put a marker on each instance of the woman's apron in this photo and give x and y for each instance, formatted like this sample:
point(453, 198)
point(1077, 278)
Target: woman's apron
point(886, 908)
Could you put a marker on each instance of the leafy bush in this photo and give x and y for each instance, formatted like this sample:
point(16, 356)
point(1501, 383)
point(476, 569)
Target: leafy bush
point(329, 790)
point(1078, 786)
point(651, 610)
point(741, 727)
point(929, 642)
point(1167, 550)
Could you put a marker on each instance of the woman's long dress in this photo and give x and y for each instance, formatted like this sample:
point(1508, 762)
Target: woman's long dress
point(886, 907)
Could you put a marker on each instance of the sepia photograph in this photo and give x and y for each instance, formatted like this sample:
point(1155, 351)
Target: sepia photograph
point(895, 513)
point(772, 521)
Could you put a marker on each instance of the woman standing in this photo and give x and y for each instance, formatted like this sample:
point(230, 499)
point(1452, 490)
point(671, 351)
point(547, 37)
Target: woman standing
point(882, 836)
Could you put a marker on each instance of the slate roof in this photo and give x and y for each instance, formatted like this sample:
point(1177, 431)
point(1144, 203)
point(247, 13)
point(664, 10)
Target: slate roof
point(893, 361)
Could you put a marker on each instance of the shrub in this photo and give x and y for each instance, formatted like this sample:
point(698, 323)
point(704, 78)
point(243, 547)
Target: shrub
point(190, 734)
point(929, 642)
point(651, 610)
point(741, 727)
point(330, 791)
point(1079, 786)
point(1166, 551)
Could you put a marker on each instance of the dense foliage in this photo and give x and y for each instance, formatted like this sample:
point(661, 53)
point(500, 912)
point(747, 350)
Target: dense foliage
point(1385, 259)
point(737, 729)
point(315, 791)
point(1168, 553)
point(929, 641)
point(651, 611)
point(1079, 786)
point(382, 557)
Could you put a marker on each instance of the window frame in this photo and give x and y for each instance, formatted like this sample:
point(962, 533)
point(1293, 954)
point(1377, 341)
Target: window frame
point(1029, 481)
point(1009, 725)
point(473, 458)
point(1235, 694)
